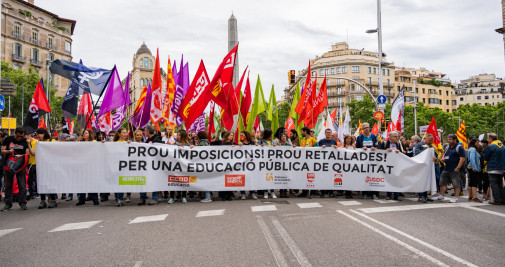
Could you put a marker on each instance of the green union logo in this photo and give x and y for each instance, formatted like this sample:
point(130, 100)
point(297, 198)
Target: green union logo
point(132, 180)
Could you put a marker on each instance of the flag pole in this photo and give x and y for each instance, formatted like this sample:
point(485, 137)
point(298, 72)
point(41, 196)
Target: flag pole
point(101, 94)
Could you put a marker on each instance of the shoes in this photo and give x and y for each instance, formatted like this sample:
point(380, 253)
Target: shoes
point(422, 200)
point(42, 205)
point(119, 203)
point(104, 198)
point(79, 203)
point(127, 199)
point(165, 196)
point(142, 202)
point(69, 199)
point(63, 196)
point(461, 193)
point(6, 207)
point(206, 200)
point(454, 200)
point(374, 197)
point(23, 206)
point(469, 199)
point(429, 199)
point(184, 200)
point(52, 204)
point(170, 201)
point(96, 203)
point(242, 196)
point(254, 196)
point(494, 203)
point(273, 195)
point(153, 202)
point(35, 196)
point(397, 199)
point(440, 198)
point(265, 195)
point(476, 200)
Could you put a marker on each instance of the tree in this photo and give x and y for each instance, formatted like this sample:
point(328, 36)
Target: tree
point(283, 111)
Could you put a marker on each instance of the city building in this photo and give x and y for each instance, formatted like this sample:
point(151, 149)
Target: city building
point(232, 42)
point(482, 89)
point(32, 37)
point(142, 74)
point(353, 64)
point(432, 88)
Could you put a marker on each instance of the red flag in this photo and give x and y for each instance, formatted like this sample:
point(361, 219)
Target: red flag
point(105, 123)
point(156, 104)
point(245, 106)
point(84, 111)
point(196, 99)
point(71, 127)
point(290, 124)
point(311, 99)
point(55, 133)
point(391, 127)
point(257, 125)
point(320, 102)
point(238, 89)
point(375, 129)
point(399, 122)
point(301, 107)
point(157, 127)
point(231, 114)
point(334, 114)
point(220, 89)
point(38, 107)
point(432, 129)
point(42, 124)
point(212, 129)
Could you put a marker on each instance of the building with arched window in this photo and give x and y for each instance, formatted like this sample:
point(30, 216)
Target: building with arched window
point(142, 74)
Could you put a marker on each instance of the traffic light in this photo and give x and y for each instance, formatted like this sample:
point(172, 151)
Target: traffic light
point(384, 126)
point(292, 77)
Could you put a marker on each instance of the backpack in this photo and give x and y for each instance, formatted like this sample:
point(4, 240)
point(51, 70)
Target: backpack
point(16, 164)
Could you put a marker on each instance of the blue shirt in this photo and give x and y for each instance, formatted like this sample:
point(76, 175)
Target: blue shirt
point(324, 142)
point(452, 156)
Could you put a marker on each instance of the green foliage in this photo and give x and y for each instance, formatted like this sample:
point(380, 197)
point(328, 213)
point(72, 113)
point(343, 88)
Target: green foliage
point(283, 111)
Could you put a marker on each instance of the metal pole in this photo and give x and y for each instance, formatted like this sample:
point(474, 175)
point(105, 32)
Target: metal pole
point(48, 82)
point(415, 106)
point(9, 106)
point(23, 102)
point(379, 35)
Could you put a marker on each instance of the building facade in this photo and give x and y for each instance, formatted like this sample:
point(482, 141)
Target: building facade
point(358, 65)
point(431, 88)
point(482, 89)
point(32, 37)
point(142, 74)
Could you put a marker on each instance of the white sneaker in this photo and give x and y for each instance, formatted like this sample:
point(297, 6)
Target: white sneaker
point(441, 198)
point(265, 195)
point(273, 195)
point(454, 200)
point(206, 200)
point(253, 195)
point(242, 196)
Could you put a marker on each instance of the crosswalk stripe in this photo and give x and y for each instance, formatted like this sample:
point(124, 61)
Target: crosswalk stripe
point(153, 218)
point(263, 208)
point(207, 213)
point(309, 205)
point(75, 226)
point(382, 201)
point(420, 207)
point(8, 231)
point(349, 203)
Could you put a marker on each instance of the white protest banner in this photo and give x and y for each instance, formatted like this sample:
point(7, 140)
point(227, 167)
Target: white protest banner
point(136, 167)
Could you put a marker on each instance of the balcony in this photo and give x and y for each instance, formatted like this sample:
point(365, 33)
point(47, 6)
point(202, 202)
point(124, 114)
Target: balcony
point(52, 47)
point(36, 63)
point(18, 58)
point(18, 36)
point(36, 42)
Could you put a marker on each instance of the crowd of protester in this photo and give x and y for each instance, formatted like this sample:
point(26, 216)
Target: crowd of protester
point(480, 169)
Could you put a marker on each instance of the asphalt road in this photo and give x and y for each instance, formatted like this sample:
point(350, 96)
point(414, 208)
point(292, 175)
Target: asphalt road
point(280, 232)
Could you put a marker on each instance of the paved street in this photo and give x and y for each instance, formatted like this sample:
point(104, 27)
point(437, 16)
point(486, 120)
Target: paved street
point(281, 232)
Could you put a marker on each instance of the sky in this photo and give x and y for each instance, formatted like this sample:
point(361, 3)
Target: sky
point(455, 37)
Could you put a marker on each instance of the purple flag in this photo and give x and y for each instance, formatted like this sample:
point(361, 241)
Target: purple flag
point(114, 96)
point(179, 92)
point(198, 125)
point(118, 117)
point(142, 119)
point(185, 78)
point(174, 72)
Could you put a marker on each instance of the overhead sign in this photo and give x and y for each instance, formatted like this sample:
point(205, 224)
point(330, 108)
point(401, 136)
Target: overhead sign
point(381, 99)
point(378, 115)
point(2, 103)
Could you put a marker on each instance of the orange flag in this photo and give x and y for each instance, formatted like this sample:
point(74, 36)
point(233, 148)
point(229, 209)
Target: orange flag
point(375, 129)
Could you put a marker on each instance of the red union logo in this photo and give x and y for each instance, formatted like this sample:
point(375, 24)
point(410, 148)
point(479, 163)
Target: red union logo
point(338, 180)
point(235, 180)
point(369, 179)
point(311, 177)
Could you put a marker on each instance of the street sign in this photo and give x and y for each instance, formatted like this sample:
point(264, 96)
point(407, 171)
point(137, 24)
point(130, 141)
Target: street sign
point(9, 123)
point(2, 103)
point(378, 115)
point(381, 106)
point(381, 99)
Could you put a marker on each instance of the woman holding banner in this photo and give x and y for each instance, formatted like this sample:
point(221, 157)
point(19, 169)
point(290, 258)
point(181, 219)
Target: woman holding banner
point(349, 143)
point(266, 140)
point(246, 139)
point(87, 136)
point(183, 141)
point(120, 136)
point(228, 138)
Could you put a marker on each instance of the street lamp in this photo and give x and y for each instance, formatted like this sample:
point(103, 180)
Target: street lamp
point(378, 30)
point(48, 82)
point(415, 105)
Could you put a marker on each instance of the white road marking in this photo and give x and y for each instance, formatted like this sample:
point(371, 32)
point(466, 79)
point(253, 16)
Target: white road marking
point(152, 218)
point(487, 211)
point(394, 239)
point(8, 231)
point(206, 213)
point(309, 205)
point(430, 246)
point(75, 226)
point(350, 203)
point(382, 201)
point(420, 207)
point(274, 247)
point(300, 257)
point(138, 264)
point(263, 208)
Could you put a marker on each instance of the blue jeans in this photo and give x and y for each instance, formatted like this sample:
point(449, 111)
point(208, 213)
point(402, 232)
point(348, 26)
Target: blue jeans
point(93, 196)
point(119, 196)
point(496, 183)
point(156, 196)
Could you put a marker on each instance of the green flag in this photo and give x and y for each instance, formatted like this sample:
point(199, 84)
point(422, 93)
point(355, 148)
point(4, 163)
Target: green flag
point(318, 126)
point(292, 112)
point(272, 115)
point(258, 105)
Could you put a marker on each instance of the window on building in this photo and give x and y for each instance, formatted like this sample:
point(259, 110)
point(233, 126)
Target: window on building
point(344, 69)
point(339, 90)
point(146, 62)
point(424, 100)
point(35, 54)
point(369, 80)
point(321, 72)
point(313, 74)
point(339, 81)
point(486, 97)
point(358, 88)
point(339, 70)
point(18, 49)
point(447, 93)
point(369, 70)
point(492, 90)
point(332, 70)
point(440, 92)
point(478, 97)
point(424, 91)
point(150, 63)
point(359, 97)
point(17, 29)
point(447, 102)
point(352, 87)
point(413, 73)
point(461, 99)
point(387, 82)
point(51, 57)
point(141, 80)
point(483, 91)
point(141, 63)
point(35, 36)
point(454, 102)
point(68, 47)
point(374, 70)
point(387, 71)
point(434, 100)
point(50, 41)
point(339, 101)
